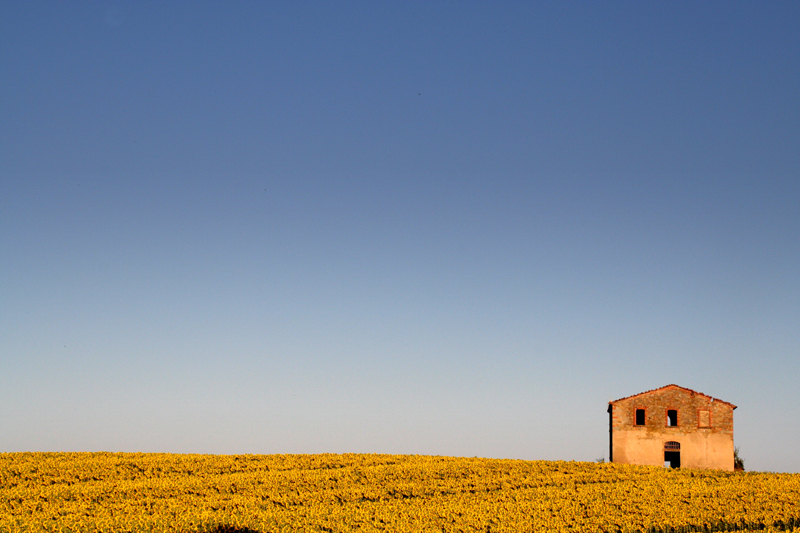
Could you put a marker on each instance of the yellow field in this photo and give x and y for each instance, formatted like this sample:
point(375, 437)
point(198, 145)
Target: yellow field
point(113, 492)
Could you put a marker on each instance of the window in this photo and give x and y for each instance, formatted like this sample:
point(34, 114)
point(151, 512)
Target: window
point(703, 418)
point(640, 417)
point(672, 446)
point(672, 417)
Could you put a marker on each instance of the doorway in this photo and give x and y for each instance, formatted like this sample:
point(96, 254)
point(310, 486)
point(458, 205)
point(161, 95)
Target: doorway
point(672, 454)
point(672, 459)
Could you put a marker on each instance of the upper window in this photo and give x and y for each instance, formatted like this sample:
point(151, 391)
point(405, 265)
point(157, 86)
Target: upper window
point(640, 417)
point(704, 418)
point(672, 417)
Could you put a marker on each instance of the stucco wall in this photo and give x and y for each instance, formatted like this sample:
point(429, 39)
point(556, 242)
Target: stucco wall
point(700, 447)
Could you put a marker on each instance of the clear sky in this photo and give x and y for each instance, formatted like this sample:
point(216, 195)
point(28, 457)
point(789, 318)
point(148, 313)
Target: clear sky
point(451, 228)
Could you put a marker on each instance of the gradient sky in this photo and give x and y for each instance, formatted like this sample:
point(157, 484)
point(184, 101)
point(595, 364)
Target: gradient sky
point(398, 227)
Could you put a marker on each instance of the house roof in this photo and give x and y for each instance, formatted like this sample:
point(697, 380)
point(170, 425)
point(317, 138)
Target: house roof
point(673, 386)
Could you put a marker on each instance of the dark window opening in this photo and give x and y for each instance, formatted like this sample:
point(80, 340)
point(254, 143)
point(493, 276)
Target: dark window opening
point(672, 417)
point(640, 417)
point(672, 459)
point(672, 445)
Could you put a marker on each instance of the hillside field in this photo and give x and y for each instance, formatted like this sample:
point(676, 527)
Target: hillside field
point(126, 492)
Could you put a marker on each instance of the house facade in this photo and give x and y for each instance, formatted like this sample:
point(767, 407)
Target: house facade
point(672, 426)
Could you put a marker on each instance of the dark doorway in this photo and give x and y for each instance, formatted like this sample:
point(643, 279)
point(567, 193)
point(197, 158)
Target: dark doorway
point(672, 459)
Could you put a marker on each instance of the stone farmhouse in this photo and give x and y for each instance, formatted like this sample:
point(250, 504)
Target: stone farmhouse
point(672, 426)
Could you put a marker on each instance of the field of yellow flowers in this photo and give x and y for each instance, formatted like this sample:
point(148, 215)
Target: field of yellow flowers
point(122, 492)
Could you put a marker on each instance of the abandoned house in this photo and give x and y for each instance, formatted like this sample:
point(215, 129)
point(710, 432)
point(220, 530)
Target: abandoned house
point(671, 426)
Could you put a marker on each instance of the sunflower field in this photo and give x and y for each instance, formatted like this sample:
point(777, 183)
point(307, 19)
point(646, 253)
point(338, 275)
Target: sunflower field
point(126, 492)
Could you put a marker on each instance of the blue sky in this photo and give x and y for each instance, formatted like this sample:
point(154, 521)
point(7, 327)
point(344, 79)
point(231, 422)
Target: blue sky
point(396, 227)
